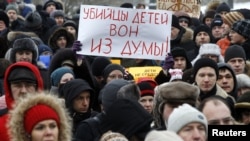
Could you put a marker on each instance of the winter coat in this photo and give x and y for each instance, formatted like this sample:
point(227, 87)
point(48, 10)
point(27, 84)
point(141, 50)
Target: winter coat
point(8, 96)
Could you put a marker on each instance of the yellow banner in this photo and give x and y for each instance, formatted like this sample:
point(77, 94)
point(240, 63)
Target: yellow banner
point(145, 72)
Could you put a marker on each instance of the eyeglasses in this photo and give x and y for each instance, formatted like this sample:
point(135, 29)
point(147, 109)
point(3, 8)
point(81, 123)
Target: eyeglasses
point(223, 121)
point(27, 85)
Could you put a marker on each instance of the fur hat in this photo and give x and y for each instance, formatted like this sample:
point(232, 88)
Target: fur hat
point(4, 17)
point(243, 81)
point(33, 20)
point(57, 74)
point(24, 44)
point(99, 64)
point(182, 14)
point(209, 48)
point(173, 92)
point(183, 115)
point(223, 7)
point(205, 62)
point(109, 92)
point(243, 101)
point(234, 51)
point(113, 136)
point(232, 17)
point(158, 135)
point(175, 22)
point(217, 21)
point(145, 88)
point(242, 27)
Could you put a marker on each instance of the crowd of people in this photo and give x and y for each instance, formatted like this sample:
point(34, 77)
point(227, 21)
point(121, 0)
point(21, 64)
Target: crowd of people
point(49, 92)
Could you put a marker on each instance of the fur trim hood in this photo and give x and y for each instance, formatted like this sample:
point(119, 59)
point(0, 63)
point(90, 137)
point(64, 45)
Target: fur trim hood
point(12, 35)
point(16, 121)
point(187, 36)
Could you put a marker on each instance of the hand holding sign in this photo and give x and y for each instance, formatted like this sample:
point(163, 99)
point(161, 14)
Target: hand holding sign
point(168, 63)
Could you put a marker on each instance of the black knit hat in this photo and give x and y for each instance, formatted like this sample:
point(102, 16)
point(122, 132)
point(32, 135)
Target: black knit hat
point(203, 28)
point(205, 62)
point(208, 14)
point(234, 51)
point(180, 52)
point(24, 44)
point(223, 7)
point(242, 27)
point(217, 21)
point(33, 20)
point(4, 17)
point(175, 22)
point(99, 64)
point(70, 23)
point(111, 67)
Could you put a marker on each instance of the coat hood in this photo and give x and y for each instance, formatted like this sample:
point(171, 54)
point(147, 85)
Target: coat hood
point(8, 96)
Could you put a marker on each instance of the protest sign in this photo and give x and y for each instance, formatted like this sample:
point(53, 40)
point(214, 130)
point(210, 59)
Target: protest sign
point(124, 33)
point(144, 72)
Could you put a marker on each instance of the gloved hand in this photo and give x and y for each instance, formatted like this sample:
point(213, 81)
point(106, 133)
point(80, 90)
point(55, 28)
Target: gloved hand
point(77, 46)
point(168, 62)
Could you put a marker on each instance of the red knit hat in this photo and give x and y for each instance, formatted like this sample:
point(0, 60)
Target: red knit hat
point(146, 89)
point(38, 113)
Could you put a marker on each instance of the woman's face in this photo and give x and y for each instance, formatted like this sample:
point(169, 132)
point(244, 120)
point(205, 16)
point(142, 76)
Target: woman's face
point(46, 130)
point(115, 74)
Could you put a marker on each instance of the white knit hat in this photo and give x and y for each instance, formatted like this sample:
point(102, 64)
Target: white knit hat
point(176, 74)
point(162, 135)
point(183, 115)
point(209, 48)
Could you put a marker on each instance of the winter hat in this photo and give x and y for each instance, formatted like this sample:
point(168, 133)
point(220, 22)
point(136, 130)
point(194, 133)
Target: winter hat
point(73, 88)
point(232, 17)
point(113, 136)
point(111, 67)
point(43, 48)
point(244, 12)
point(109, 92)
point(24, 44)
point(11, 7)
point(223, 7)
point(99, 64)
point(203, 28)
point(21, 74)
point(217, 21)
point(183, 115)
point(182, 14)
point(234, 51)
point(175, 22)
point(243, 101)
point(209, 48)
point(243, 81)
point(205, 62)
point(242, 27)
point(49, 2)
point(146, 89)
point(57, 74)
point(70, 23)
point(162, 135)
point(177, 92)
point(176, 74)
point(4, 17)
point(181, 52)
point(151, 81)
point(208, 14)
point(127, 5)
point(57, 13)
point(33, 20)
point(39, 113)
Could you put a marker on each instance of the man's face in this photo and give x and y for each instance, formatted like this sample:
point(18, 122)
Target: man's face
point(147, 103)
point(225, 80)
point(236, 38)
point(237, 64)
point(12, 15)
point(208, 21)
point(2, 25)
point(81, 102)
point(174, 32)
point(50, 8)
point(205, 79)
point(19, 89)
point(201, 38)
point(193, 131)
point(59, 20)
point(225, 29)
point(24, 55)
point(180, 63)
point(71, 30)
point(217, 31)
